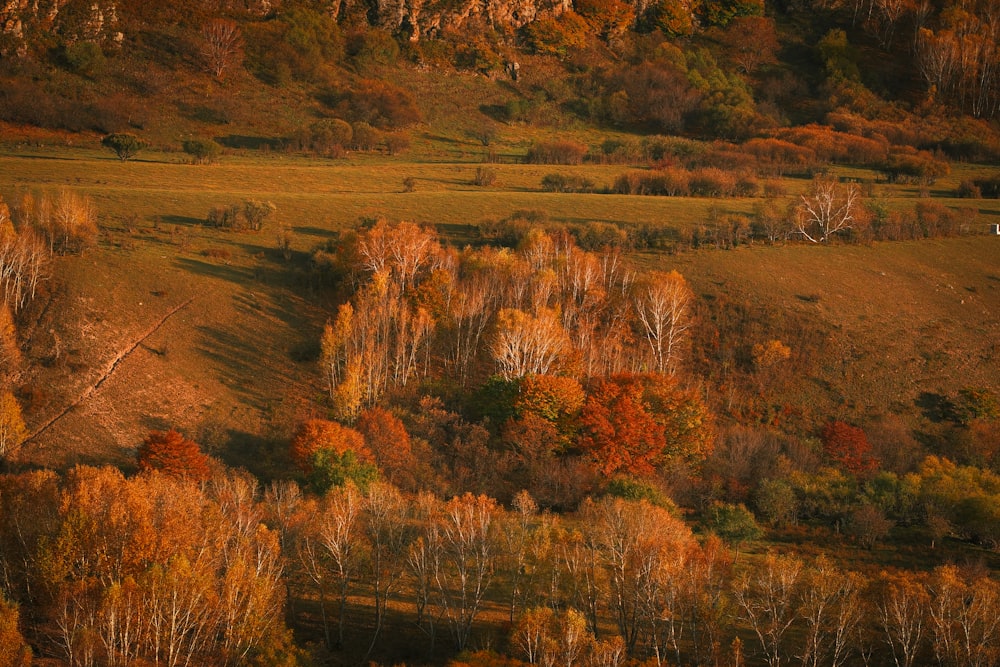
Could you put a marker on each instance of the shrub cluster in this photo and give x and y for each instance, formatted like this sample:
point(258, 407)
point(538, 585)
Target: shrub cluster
point(679, 182)
point(566, 183)
point(556, 152)
point(248, 215)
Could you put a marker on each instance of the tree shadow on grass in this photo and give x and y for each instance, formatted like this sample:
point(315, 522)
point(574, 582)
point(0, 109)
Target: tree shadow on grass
point(253, 143)
point(212, 270)
point(935, 407)
point(241, 363)
point(317, 231)
point(266, 458)
point(185, 220)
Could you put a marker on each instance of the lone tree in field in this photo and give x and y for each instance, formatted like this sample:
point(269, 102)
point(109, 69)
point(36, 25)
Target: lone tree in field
point(126, 146)
point(173, 454)
point(828, 208)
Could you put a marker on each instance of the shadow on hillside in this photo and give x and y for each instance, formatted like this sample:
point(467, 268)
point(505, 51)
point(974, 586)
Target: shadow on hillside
point(243, 367)
point(317, 231)
point(441, 139)
point(934, 407)
point(185, 220)
point(266, 458)
point(252, 143)
point(497, 112)
point(212, 270)
point(462, 233)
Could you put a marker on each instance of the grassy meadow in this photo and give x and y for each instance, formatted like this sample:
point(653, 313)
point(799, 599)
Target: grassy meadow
point(888, 321)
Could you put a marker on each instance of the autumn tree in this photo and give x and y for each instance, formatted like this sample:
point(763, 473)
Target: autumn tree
point(159, 569)
point(637, 543)
point(529, 344)
point(617, 430)
point(12, 428)
point(330, 454)
point(467, 526)
point(10, 352)
point(831, 609)
point(766, 597)
point(29, 517)
point(902, 606)
point(829, 208)
point(556, 399)
point(14, 651)
point(173, 454)
point(388, 530)
point(337, 531)
point(222, 46)
point(638, 423)
point(848, 446)
point(663, 305)
point(752, 42)
point(24, 262)
point(964, 620)
point(389, 442)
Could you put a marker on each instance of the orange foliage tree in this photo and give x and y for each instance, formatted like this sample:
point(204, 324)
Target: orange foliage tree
point(319, 435)
point(636, 424)
point(173, 454)
point(14, 651)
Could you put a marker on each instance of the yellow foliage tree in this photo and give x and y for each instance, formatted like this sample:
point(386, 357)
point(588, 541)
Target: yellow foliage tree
point(12, 429)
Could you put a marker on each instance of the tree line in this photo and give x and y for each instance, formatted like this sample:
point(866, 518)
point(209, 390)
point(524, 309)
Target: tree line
point(102, 569)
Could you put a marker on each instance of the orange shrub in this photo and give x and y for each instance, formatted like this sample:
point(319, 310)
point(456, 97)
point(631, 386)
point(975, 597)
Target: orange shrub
point(777, 156)
point(173, 454)
point(832, 146)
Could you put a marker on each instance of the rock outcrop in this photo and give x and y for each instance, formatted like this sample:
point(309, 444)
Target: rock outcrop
point(427, 18)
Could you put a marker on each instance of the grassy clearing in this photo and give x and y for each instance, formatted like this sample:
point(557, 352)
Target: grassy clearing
point(234, 371)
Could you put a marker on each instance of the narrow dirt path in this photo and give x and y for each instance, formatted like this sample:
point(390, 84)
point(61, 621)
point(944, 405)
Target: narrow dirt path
point(120, 357)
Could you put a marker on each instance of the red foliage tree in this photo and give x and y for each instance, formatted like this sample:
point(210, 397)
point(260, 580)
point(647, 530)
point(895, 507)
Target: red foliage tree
point(173, 454)
point(318, 434)
point(848, 446)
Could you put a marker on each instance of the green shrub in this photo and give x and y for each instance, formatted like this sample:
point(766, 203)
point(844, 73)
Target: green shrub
point(225, 217)
point(329, 136)
point(396, 143)
point(85, 58)
point(256, 212)
point(125, 146)
point(733, 523)
point(371, 48)
point(365, 137)
point(203, 151)
point(629, 488)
